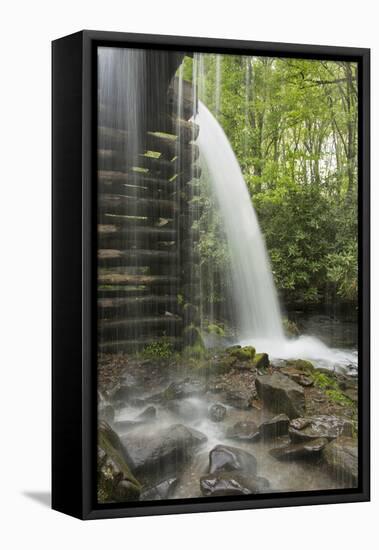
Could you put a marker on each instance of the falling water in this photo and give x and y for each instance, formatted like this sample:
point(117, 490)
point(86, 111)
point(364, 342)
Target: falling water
point(253, 287)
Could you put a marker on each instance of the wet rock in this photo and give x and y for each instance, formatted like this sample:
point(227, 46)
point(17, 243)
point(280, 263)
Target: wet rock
point(159, 453)
point(115, 481)
point(106, 412)
point(308, 450)
point(281, 395)
point(341, 456)
point(217, 412)
point(300, 364)
point(161, 491)
point(261, 361)
point(297, 376)
point(232, 483)
point(275, 427)
point(246, 353)
point(223, 458)
point(148, 414)
point(243, 431)
point(239, 399)
point(180, 390)
point(185, 409)
point(308, 429)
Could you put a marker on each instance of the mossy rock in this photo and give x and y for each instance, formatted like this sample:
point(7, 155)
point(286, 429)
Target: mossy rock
point(192, 336)
point(290, 328)
point(115, 481)
point(261, 361)
point(233, 348)
point(243, 354)
point(216, 330)
point(300, 364)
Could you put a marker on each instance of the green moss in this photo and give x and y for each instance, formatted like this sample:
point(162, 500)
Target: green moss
point(243, 354)
point(327, 383)
point(338, 397)
point(261, 361)
point(216, 330)
point(301, 364)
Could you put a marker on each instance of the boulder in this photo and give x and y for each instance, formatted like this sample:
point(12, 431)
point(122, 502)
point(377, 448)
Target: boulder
point(341, 456)
point(239, 399)
point(217, 412)
point(261, 361)
point(223, 458)
point(246, 353)
point(160, 491)
point(232, 483)
point(158, 454)
point(281, 395)
point(275, 427)
point(308, 450)
point(179, 390)
point(115, 481)
point(148, 414)
point(185, 409)
point(313, 427)
point(243, 431)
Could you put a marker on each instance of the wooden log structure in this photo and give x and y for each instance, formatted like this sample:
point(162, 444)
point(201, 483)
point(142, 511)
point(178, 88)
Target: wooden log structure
point(145, 220)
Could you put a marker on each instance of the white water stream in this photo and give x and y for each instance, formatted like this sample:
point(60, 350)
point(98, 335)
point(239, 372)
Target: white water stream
point(253, 291)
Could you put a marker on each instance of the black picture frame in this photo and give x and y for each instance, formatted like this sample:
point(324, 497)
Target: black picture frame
point(74, 414)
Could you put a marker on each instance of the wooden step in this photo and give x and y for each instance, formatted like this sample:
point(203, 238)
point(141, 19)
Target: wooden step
point(135, 306)
point(157, 325)
point(136, 344)
point(108, 257)
point(132, 206)
point(117, 276)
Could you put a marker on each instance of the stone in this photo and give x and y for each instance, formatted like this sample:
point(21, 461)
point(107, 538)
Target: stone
point(313, 427)
point(261, 361)
point(243, 431)
point(182, 389)
point(308, 450)
point(239, 399)
point(185, 409)
point(246, 353)
point(232, 483)
point(341, 456)
point(223, 458)
point(217, 412)
point(275, 427)
point(148, 414)
point(106, 412)
point(158, 454)
point(160, 491)
point(114, 469)
point(281, 395)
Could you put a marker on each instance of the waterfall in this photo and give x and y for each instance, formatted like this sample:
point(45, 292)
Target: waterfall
point(254, 294)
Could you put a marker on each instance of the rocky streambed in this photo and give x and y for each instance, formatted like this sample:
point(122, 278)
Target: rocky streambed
point(225, 423)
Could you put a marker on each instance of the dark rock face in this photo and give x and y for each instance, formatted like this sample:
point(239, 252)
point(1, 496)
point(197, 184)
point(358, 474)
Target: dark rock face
point(275, 427)
point(232, 483)
point(308, 450)
point(158, 454)
point(341, 455)
point(238, 399)
point(281, 395)
point(223, 458)
point(217, 412)
point(160, 491)
point(243, 431)
point(308, 429)
point(261, 361)
point(115, 480)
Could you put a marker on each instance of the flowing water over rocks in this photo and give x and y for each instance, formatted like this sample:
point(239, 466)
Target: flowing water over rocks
point(188, 438)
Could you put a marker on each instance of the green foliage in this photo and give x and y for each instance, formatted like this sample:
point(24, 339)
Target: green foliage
point(158, 350)
point(330, 386)
point(293, 126)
